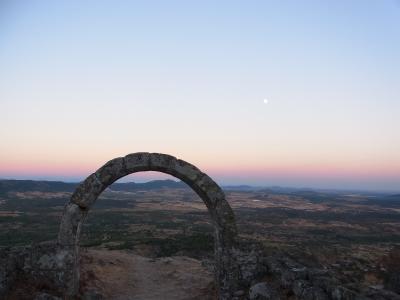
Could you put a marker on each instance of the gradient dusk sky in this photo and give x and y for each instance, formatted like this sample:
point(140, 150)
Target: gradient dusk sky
point(82, 82)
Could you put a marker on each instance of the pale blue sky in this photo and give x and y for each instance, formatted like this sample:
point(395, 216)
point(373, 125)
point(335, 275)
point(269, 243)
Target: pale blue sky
point(84, 81)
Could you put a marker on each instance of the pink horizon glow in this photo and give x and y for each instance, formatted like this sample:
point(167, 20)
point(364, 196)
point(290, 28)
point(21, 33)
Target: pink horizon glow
point(80, 169)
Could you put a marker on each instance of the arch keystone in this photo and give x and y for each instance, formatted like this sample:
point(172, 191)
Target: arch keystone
point(136, 162)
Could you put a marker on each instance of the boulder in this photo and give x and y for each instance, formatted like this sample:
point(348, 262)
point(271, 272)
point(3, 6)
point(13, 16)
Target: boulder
point(262, 291)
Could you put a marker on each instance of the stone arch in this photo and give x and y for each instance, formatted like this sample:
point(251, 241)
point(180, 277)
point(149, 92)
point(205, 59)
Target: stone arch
point(223, 220)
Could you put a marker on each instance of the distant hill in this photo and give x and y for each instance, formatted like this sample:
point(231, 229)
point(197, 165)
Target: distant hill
point(387, 201)
point(151, 185)
point(13, 185)
point(397, 196)
point(240, 188)
point(58, 186)
point(37, 186)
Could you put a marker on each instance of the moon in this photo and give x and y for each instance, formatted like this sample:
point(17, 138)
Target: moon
point(266, 101)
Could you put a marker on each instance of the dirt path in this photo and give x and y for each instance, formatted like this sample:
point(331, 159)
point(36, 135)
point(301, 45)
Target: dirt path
point(124, 275)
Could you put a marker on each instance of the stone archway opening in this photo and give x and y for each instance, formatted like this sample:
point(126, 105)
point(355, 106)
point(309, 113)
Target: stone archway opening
point(227, 274)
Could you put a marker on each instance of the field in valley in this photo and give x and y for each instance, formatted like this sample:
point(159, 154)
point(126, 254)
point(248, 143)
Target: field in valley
point(354, 235)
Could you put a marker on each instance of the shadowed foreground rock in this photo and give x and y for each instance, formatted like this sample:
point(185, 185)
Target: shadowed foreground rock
point(265, 276)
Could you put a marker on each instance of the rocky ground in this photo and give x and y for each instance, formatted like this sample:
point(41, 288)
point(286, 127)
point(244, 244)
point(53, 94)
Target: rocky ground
point(125, 275)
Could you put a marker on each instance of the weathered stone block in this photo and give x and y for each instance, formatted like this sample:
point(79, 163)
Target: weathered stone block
point(45, 296)
point(186, 171)
point(58, 260)
point(112, 171)
point(136, 162)
point(213, 191)
point(8, 271)
point(162, 162)
point(342, 293)
point(88, 191)
point(262, 291)
point(70, 223)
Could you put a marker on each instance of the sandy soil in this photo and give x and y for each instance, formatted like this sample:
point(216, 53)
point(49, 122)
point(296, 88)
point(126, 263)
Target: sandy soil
point(125, 275)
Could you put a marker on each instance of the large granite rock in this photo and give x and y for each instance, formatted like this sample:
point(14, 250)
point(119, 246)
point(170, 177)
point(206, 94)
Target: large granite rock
point(262, 291)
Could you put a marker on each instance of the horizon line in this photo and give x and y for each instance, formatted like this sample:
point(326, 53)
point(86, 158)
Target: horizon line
point(385, 191)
